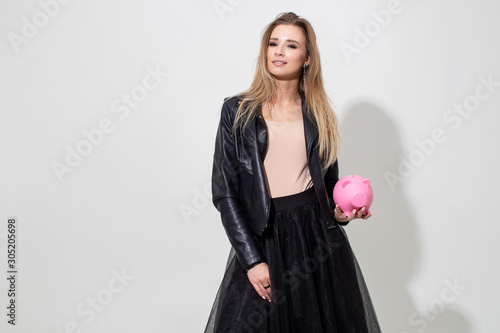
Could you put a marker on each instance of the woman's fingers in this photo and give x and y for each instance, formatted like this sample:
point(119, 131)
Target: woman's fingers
point(364, 214)
point(259, 278)
point(355, 214)
point(266, 292)
point(339, 215)
point(368, 215)
point(267, 288)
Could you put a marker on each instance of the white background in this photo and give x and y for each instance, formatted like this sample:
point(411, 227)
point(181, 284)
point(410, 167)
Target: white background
point(139, 202)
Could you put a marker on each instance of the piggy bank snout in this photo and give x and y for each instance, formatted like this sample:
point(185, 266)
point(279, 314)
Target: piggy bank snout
point(359, 199)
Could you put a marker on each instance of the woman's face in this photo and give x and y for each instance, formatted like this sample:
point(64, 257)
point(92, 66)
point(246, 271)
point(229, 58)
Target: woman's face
point(286, 52)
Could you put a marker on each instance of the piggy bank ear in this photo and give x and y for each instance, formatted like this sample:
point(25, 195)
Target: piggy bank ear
point(345, 183)
point(366, 182)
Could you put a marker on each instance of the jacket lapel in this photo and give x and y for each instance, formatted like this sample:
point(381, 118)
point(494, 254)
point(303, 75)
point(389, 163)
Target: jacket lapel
point(261, 134)
point(310, 129)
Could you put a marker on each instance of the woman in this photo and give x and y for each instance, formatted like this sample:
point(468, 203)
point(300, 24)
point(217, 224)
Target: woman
point(291, 268)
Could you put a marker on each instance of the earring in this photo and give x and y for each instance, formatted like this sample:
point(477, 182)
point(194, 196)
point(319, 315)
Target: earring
point(304, 73)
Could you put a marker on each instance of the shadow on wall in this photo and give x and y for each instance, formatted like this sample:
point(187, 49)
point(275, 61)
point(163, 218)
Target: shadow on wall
point(388, 245)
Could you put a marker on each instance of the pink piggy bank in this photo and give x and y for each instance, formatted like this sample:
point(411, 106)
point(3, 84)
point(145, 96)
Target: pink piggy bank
point(353, 192)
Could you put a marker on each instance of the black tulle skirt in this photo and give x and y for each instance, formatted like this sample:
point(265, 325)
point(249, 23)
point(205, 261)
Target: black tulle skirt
point(316, 283)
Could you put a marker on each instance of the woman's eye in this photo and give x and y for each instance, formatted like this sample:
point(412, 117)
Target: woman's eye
point(291, 45)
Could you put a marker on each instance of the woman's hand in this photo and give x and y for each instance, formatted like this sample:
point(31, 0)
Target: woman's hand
point(360, 214)
point(259, 278)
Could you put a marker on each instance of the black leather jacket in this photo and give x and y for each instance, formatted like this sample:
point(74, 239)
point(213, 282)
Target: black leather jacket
point(239, 190)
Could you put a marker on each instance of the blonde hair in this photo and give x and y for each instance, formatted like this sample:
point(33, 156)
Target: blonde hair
point(319, 105)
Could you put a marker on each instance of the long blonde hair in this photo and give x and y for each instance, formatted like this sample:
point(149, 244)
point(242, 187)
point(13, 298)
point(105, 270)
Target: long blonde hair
point(319, 104)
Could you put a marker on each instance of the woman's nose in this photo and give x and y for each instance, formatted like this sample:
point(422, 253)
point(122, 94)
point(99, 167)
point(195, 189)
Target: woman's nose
point(279, 50)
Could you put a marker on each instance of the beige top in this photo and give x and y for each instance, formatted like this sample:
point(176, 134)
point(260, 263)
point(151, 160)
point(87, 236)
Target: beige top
point(285, 163)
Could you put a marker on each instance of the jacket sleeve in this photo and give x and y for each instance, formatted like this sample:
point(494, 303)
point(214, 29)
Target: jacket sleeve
point(331, 178)
point(226, 191)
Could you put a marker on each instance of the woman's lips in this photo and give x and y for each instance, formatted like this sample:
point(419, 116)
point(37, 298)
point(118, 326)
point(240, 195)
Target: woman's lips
point(279, 63)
